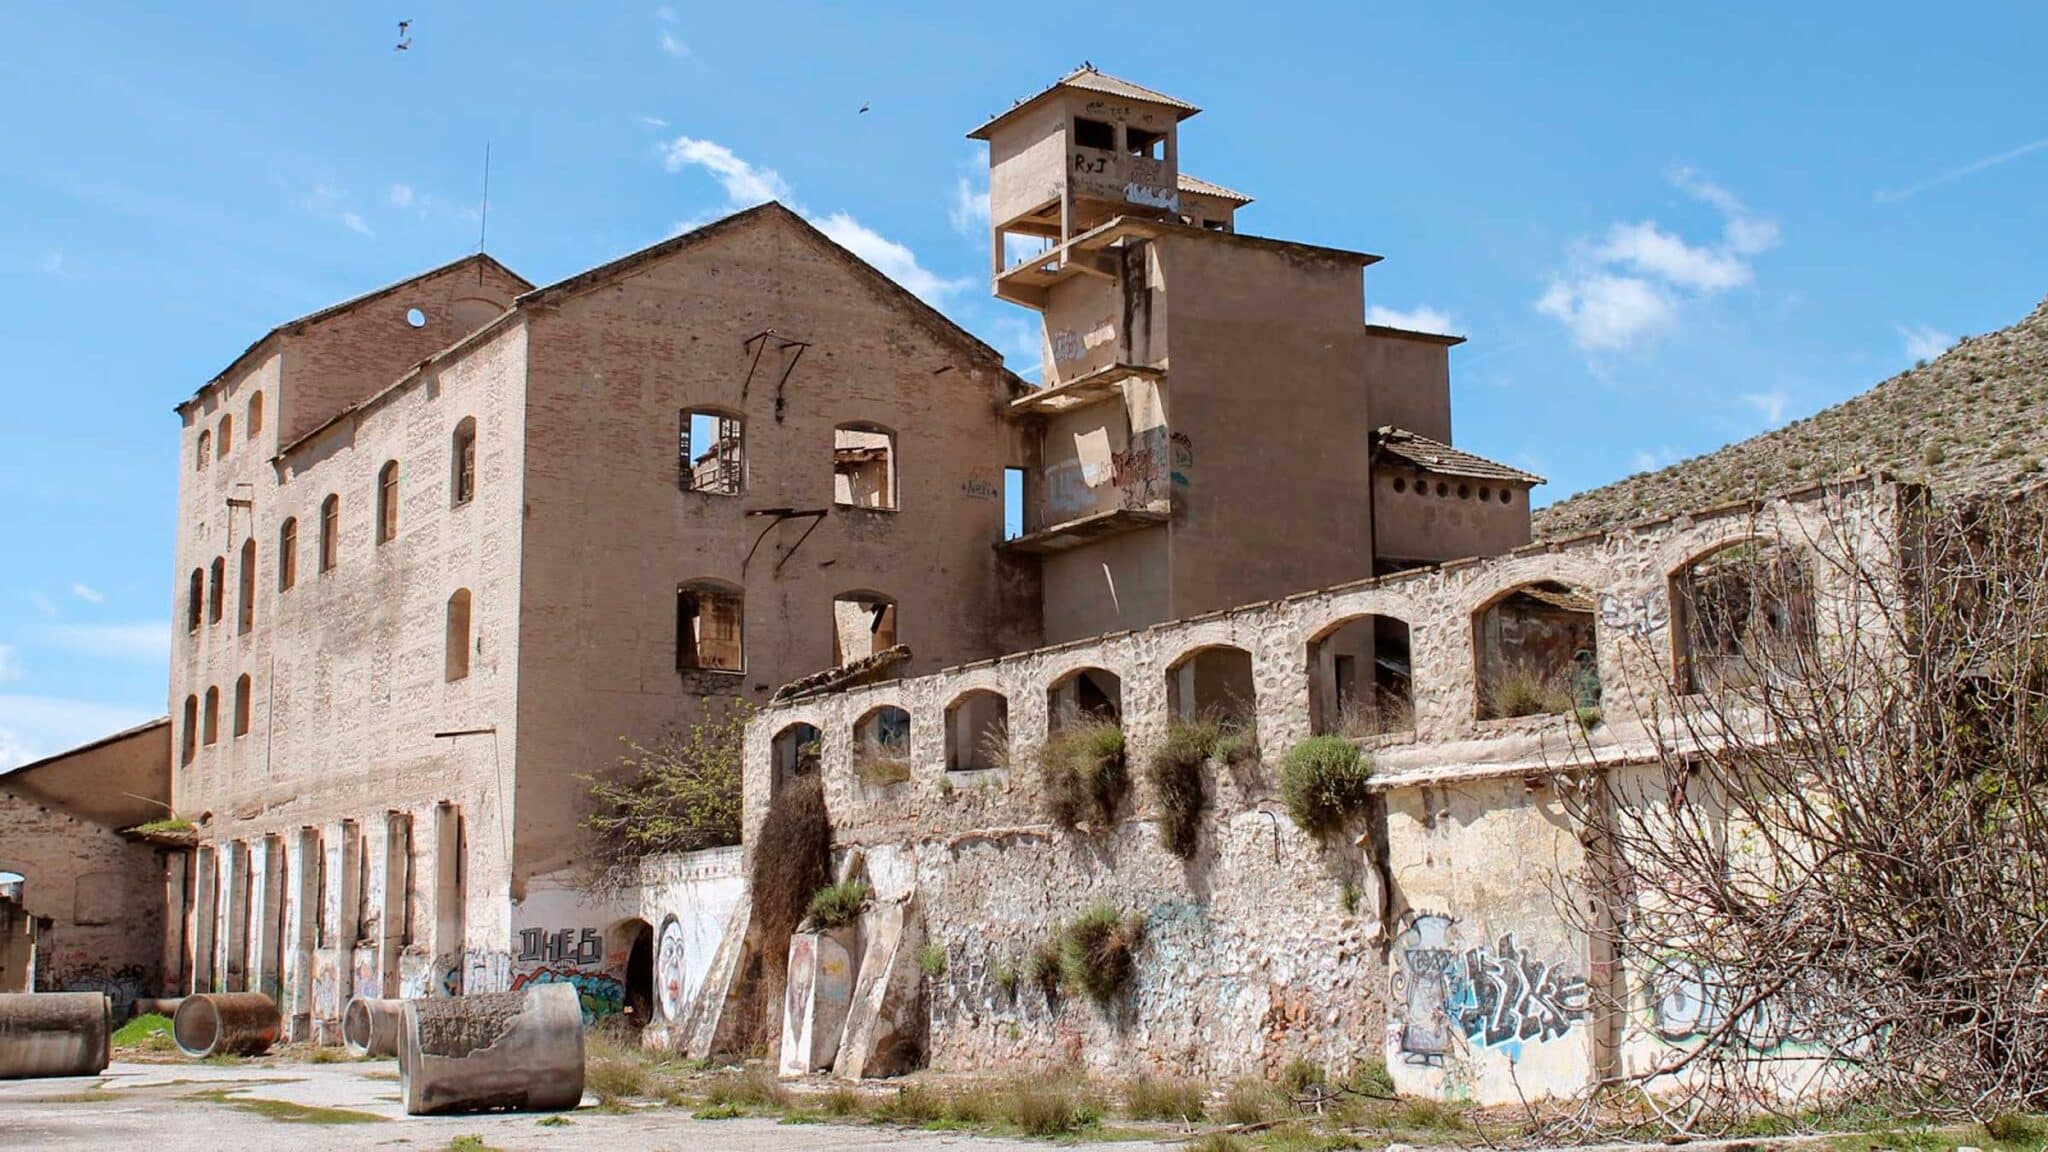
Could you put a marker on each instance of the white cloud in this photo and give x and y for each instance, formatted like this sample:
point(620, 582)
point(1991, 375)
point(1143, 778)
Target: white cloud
point(1770, 405)
point(44, 605)
point(88, 594)
point(354, 223)
point(1022, 343)
point(745, 184)
point(969, 212)
point(1630, 285)
point(10, 667)
point(1652, 460)
point(1923, 342)
point(652, 121)
point(147, 641)
point(1894, 195)
point(1419, 319)
point(326, 202)
point(401, 195)
point(673, 46)
point(666, 14)
point(32, 727)
point(897, 262)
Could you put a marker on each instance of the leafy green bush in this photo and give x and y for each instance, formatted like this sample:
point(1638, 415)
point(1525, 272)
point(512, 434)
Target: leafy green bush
point(1085, 774)
point(1175, 772)
point(1323, 780)
point(1097, 952)
point(677, 793)
point(837, 905)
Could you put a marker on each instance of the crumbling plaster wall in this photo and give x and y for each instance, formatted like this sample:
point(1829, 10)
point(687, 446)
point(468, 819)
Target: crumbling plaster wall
point(1474, 848)
point(97, 898)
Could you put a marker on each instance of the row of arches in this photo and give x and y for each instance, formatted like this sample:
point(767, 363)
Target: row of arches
point(215, 443)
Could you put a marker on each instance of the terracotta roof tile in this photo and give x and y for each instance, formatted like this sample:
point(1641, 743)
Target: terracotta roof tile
point(1444, 460)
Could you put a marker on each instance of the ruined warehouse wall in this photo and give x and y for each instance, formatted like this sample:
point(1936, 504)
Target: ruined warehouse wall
point(99, 897)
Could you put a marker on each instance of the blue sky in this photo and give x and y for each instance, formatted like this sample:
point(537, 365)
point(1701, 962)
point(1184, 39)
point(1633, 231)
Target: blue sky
point(1662, 232)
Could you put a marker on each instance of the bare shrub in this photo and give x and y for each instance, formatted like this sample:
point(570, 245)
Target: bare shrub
point(676, 793)
point(792, 861)
point(1085, 773)
point(1175, 772)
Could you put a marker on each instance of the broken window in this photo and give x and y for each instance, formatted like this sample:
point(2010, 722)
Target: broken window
point(1537, 652)
point(195, 600)
point(1083, 695)
point(1743, 612)
point(710, 626)
point(330, 532)
point(797, 750)
point(710, 452)
point(255, 417)
point(224, 440)
point(287, 554)
point(245, 593)
point(978, 732)
point(863, 466)
point(1213, 683)
point(189, 745)
point(242, 705)
point(881, 746)
point(462, 462)
point(215, 594)
point(204, 452)
point(1360, 679)
point(387, 502)
point(1144, 142)
point(455, 658)
point(1099, 134)
point(863, 623)
point(210, 726)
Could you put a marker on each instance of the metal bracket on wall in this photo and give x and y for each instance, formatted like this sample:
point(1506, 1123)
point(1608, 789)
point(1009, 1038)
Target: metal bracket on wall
point(815, 515)
point(758, 342)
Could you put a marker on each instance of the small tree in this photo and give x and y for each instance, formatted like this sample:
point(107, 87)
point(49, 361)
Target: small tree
point(676, 793)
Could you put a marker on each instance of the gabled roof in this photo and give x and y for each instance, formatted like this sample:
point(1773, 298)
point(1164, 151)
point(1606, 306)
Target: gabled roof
point(1444, 460)
point(22, 770)
point(1087, 79)
point(352, 302)
point(1202, 187)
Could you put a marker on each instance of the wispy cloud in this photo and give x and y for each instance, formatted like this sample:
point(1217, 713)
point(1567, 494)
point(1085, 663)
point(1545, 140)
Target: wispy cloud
point(33, 726)
point(969, 210)
point(52, 263)
point(356, 224)
point(45, 606)
point(667, 39)
point(88, 594)
point(329, 203)
point(1769, 405)
point(1894, 195)
point(1418, 319)
point(651, 121)
point(1654, 459)
point(1630, 285)
point(401, 195)
point(10, 666)
point(147, 641)
point(1923, 342)
point(746, 185)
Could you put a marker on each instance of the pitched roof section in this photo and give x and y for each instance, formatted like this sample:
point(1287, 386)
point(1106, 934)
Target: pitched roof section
point(1202, 187)
point(1444, 460)
point(1087, 79)
point(22, 770)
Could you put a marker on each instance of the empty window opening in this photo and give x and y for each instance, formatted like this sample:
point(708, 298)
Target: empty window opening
point(456, 654)
point(330, 532)
point(245, 591)
point(462, 462)
point(195, 600)
point(1084, 695)
point(210, 727)
point(255, 417)
point(224, 440)
point(978, 732)
point(1537, 652)
point(1098, 134)
point(710, 452)
point(287, 554)
point(1213, 683)
point(796, 750)
point(863, 466)
point(216, 593)
point(1743, 613)
point(204, 451)
point(1144, 142)
point(881, 746)
point(863, 623)
point(387, 502)
point(710, 627)
point(189, 744)
point(1013, 503)
point(242, 705)
point(1360, 679)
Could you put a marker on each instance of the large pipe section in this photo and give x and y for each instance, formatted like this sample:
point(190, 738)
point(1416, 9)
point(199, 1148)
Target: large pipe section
point(226, 1024)
point(521, 1051)
point(370, 1026)
point(54, 1034)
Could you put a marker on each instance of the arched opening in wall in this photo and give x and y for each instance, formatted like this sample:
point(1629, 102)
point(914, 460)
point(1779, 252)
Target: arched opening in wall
point(287, 554)
point(711, 626)
point(1213, 683)
point(188, 740)
point(711, 451)
point(1536, 652)
point(1083, 696)
point(636, 939)
point(863, 466)
point(242, 705)
point(1360, 679)
point(203, 451)
point(255, 417)
point(455, 656)
point(462, 463)
point(387, 502)
point(217, 592)
point(195, 600)
point(245, 592)
point(978, 732)
point(330, 532)
point(881, 745)
point(224, 439)
point(863, 623)
point(1742, 614)
point(796, 751)
point(210, 726)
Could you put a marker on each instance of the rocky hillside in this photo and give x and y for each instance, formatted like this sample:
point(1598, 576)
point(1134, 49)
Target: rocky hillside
point(1975, 417)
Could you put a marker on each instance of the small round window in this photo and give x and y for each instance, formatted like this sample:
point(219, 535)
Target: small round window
point(415, 317)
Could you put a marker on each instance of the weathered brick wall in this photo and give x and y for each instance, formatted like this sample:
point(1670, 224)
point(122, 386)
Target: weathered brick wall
point(101, 895)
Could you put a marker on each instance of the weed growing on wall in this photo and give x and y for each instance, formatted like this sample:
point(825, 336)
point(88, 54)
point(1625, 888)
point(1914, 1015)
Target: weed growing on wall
point(1175, 772)
point(792, 860)
point(676, 793)
point(1086, 778)
point(837, 905)
point(1098, 952)
point(1042, 968)
point(1323, 780)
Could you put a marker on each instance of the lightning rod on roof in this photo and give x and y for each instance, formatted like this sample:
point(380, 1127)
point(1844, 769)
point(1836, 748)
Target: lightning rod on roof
point(484, 217)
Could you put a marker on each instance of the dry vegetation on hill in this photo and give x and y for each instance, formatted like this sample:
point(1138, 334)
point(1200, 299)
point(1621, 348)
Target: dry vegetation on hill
point(1974, 418)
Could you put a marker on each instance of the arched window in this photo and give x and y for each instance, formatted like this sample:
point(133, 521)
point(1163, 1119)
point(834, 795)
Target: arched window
point(881, 746)
point(863, 466)
point(195, 600)
point(863, 623)
point(188, 744)
point(287, 553)
point(245, 596)
point(711, 451)
point(210, 730)
point(1213, 683)
point(462, 463)
point(330, 532)
point(387, 502)
point(204, 453)
point(215, 594)
point(224, 440)
point(797, 750)
point(1085, 695)
point(1741, 613)
point(978, 732)
point(1537, 652)
point(710, 626)
point(1359, 676)
point(242, 705)
point(457, 657)
point(255, 417)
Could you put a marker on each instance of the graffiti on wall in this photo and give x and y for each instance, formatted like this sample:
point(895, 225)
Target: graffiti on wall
point(1691, 1002)
point(1502, 997)
point(121, 983)
point(600, 993)
point(671, 970)
point(562, 946)
point(1638, 614)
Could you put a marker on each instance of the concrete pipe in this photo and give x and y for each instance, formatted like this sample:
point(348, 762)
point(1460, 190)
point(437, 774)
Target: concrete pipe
point(370, 1026)
point(54, 1034)
point(226, 1024)
point(521, 1051)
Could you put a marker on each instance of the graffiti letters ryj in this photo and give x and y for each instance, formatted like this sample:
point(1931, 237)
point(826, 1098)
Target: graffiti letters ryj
point(1502, 997)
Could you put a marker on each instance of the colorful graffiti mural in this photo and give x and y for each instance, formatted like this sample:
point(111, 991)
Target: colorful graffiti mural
point(1689, 1003)
point(1501, 997)
point(601, 994)
point(562, 946)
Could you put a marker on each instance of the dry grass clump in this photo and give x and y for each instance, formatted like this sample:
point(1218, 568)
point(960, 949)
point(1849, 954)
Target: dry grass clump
point(746, 1088)
point(1323, 780)
point(1053, 1106)
point(1085, 774)
point(836, 905)
point(1097, 952)
point(1250, 1101)
point(1042, 967)
point(1519, 688)
point(794, 857)
point(1165, 1099)
point(1175, 773)
point(880, 767)
point(1384, 715)
point(615, 1067)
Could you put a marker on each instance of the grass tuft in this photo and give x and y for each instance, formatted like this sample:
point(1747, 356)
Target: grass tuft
point(1175, 773)
point(837, 905)
point(1097, 952)
point(1323, 780)
point(1165, 1099)
point(150, 1032)
point(1086, 777)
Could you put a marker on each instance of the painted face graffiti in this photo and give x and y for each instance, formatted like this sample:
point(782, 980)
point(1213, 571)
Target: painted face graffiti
point(671, 969)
